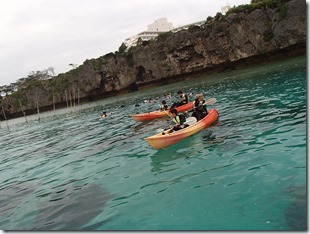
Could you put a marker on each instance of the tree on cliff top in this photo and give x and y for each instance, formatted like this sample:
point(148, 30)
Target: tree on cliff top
point(122, 48)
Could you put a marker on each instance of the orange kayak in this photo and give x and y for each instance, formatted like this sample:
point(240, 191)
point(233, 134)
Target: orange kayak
point(159, 141)
point(159, 114)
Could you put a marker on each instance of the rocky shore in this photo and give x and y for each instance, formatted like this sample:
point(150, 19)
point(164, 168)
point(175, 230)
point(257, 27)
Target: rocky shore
point(245, 36)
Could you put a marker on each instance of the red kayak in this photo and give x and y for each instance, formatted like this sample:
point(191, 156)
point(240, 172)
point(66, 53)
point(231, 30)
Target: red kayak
point(159, 114)
point(160, 141)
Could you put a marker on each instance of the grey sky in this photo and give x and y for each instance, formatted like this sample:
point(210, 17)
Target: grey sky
point(37, 34)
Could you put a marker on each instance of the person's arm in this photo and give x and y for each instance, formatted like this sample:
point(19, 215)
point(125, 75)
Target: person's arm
point(185, 99)
point(176, 124)
point(196, 104)
point(205, 107)
point(182, 119)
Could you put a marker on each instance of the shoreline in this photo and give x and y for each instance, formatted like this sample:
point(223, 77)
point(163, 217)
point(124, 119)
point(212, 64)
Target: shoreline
point(283, 54)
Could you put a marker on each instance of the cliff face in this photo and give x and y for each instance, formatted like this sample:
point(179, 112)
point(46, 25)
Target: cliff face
point(221, 40)
point(228, 39)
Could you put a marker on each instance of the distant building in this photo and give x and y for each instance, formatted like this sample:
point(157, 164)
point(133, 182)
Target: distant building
point(161, 25)
point(224, 9)
point(153, 30)
point(185, 27)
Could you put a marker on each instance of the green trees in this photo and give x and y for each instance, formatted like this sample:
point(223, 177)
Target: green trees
point(26, 91)
point(122, 48)
point(256, 4)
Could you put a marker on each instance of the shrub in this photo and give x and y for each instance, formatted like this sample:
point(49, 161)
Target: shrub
point(258, 4)
point(122, 48)
point(218, 15)
point(193, 28)
point(164, 35)
point(268, 35)
point(129, 59)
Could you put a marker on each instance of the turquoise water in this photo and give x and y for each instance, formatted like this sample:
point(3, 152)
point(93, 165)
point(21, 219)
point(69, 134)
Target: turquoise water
point(73, 171)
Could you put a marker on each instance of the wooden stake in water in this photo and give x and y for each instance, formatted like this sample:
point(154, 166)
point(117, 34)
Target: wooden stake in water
point(73, 90)
point(3, 113)
point(70, 96)
point(21, 107)
point(7, 124)
point(78, 96)
point(38, 110)
point(67, 99)
point(54, 104)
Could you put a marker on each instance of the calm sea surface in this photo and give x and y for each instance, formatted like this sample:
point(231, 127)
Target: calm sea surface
point(73, 171)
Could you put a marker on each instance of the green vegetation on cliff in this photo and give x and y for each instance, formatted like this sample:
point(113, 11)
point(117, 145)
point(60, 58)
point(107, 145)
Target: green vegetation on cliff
point(258, 4)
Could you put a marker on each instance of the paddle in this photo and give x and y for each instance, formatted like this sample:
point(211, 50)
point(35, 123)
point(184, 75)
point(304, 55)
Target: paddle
point(190, 121)
point(210, 101)
point(165, 111)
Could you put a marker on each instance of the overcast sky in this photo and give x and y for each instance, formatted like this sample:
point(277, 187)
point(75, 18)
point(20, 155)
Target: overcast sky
point(37, 34)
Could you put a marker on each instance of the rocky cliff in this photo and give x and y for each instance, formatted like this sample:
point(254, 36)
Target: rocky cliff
point(242, 34)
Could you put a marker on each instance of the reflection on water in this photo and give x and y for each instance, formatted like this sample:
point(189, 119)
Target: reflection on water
point(296, 213)
point(71, 207)
point(165, 159)
point(12, 196)
point(68, 207)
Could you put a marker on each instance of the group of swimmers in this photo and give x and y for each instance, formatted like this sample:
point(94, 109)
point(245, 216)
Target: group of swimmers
point(179, 119)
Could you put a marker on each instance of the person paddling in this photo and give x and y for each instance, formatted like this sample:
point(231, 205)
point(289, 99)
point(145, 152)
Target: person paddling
point(163, 106)
point(200, 108)
point(178, 119)
point(183, 100)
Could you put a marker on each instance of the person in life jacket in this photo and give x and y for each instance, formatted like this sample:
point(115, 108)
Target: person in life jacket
point(178, 119)
point(200, 108)
point(163, 106)
point(183, 100)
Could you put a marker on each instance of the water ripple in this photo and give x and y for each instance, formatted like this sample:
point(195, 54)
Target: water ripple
point(73, 171)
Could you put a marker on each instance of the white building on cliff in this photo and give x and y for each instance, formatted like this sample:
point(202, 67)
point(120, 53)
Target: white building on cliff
point(153, 30)
point(225, 8)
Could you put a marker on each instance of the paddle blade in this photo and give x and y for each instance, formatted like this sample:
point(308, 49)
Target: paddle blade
point(210, 101)
point(191, 121)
